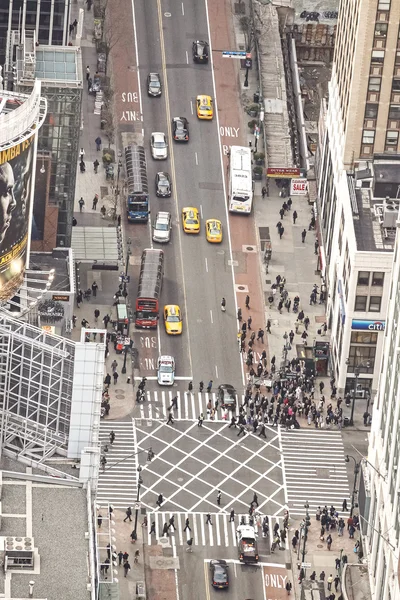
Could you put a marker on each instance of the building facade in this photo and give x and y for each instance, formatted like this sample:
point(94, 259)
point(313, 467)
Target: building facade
point(382, 527)
point(359, 178)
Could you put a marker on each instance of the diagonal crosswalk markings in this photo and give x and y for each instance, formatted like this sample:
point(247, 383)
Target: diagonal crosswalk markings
point(117, 484)
point(222, 532)
point(190, 406)
point(314, 469)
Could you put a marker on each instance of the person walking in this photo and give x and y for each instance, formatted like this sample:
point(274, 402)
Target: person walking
point(232, 516)
point(127, 568)
point(160, 500)
point(200, 420)
point(111, 437)
point(303, 235)
point(262, 431)
point(96, 314)
point(263, 192)
point(81, 203)
point(289, 587)
point(189, 545)
point(260, 335)
point(329, 582)
point(120, 557)
point(94, 289)
point(95, 166)
point(165, 530)
point(223, 305)
point(242, 430)
point(336, 582)
point(208, 519)
point(219, 496)
point(114, 365)
point(170, 419)
point(294, 216)
point(95, 201)
point(172, 523)
point(136, 559)
point(153, 528)
point(247, 301)
point(281, 232)
point(115, 375)
point(209, 386)
point(190, 386)
point(98, 143)
point(201, 386)
point(187, 525)
point(329, 541)
point(87, 72)
point(128, 513)
point(344, 505)
point(249, 322)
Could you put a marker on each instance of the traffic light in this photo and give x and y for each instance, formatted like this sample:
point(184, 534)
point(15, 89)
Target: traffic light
point(150, 455)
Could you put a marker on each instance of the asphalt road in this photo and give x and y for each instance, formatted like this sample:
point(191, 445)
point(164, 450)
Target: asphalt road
point(197, 274)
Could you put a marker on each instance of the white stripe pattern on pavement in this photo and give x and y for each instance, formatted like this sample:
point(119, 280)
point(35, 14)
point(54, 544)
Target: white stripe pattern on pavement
point(315, 469)
point(222, 532)
point(190, 406)
point(117, 484)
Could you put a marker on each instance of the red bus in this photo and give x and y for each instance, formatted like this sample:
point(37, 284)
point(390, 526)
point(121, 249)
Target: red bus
point(149, 290)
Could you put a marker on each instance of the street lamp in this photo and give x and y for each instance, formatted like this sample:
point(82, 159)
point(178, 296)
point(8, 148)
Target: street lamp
point(357, 370)
point(304, 529)
point(128, 255)
point(356, 472)
point(126, 346)
point(119, 166)
point(140, 481)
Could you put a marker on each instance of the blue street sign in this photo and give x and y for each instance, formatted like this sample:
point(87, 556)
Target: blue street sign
point(234, 54)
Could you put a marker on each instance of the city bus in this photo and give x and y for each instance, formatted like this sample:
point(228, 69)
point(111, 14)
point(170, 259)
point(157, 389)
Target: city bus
point(240, 180)
point(149, 289)
point(137, 202)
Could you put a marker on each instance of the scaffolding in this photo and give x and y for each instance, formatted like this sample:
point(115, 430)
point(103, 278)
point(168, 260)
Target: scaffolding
point(36, 381)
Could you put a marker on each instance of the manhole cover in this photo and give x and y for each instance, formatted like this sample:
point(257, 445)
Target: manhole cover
point(120, 396)
point(320, 546)
point(247, 248)
point(118, 391)
point(164, 562)
point(241, 288)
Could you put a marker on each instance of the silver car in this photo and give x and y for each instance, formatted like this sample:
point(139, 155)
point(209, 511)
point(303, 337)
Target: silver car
point(159, 147)
point(162, 228)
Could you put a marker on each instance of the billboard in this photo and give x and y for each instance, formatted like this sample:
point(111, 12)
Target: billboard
point(298, 187)
point(366, 325)
point(16, 170)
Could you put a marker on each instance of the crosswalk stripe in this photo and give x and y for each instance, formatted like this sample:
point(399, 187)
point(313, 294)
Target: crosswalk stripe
point(315, 470)
point(190, 406)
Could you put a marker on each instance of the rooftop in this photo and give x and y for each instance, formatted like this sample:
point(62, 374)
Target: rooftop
point(36, 510)
point(57, 63)
point(60, 259)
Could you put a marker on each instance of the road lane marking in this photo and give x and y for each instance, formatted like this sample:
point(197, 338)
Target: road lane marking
point(173, 174)
point(191, 107)
point(196, 158)
point(206, 264)
point(211, 316)
point(218, 531)
point(206, 580)
point(223, 174)
point(216, 371)
point(137, 61)
point(187, 57)
point(201, 210)
point(183, 10)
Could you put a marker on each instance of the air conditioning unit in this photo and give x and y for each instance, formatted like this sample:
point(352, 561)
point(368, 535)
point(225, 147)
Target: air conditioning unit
point(390, 213)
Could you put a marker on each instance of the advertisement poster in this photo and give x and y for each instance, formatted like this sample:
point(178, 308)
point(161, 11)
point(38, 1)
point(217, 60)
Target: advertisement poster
point(16, 169)
point(298, 187)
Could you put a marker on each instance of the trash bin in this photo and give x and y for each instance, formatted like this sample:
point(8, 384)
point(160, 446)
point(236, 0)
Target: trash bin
point(140, 590)
point(346, 422)
point(102, 124)
point(256, 97)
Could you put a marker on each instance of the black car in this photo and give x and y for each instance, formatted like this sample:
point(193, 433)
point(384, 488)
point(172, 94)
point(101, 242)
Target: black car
point(200, 51)
point(154, 84)
point(163, 185)
point(180, 129)
point(227, 396)
point(219, 574)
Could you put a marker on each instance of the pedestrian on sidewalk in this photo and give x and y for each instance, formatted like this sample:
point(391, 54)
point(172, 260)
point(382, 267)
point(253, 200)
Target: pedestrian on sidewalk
point(329, 541)
point(219, 496)
point(262, 431)
point(114, 365)
point(94, 289)
point(208, 519)
point(336, 582)
point(127, 568)
point(115, 375)
point(263, 192)
point(98, 143)
point(160, 500)
point(242, 430)
point(136, 559)
point(128, 513)
point(190, 386)
point(268, 326)
point(294, 216)
point(329, 582)
point(170, 419)
point(303, 235)
point(247, 301)
point(249, 322)
point(322, 576)
point(209, 386)
point(282, 212)
point(223, 305)
point(289, 587)
point(201, 386)
point(260, 335)
point(96, 314)
point(232, 516)
point(153, 528)
point(95, 201)
point(200, 420)
point(281, 232)
point(81, 203)
point(289, 203)
point(120, 557)
point(316, 246)
point(87, 72)
point(95, 167)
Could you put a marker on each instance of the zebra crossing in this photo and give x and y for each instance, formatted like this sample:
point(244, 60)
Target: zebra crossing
point(222, 532)
point(314, 469)
point(117, 483)
point(190, 406)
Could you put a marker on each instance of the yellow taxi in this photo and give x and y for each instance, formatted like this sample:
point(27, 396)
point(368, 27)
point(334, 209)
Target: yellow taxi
point(172, 319)
point(214, 231)
point(190, 220)
point(204, 106)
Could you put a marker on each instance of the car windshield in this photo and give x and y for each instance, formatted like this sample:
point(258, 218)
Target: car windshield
point(163, 181)
point(154, 83)
point(165, 369)
point(192, 221)
point(219, 574)
point(173, 319)
point(162, 226)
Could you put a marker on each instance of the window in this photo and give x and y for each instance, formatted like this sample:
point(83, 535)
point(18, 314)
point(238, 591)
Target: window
point(396, 85)
point(394, 111)
point(378, 278)
point(392, 138)
point(377, 57)
point(375, 303)
point(363, 278)
point(368, 136)
point(362, 357)
point(384, 5)
point(381, 28)
point(364, 337)
point(397, 58)
point(360, 304)
point(374, 84)
point(371, 111)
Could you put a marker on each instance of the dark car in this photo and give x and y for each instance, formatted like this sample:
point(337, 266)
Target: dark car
point(163, 185)
point(200, 51)
point(180, 129)
point(227, 396)
point(219, 574)
point(154, 84)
